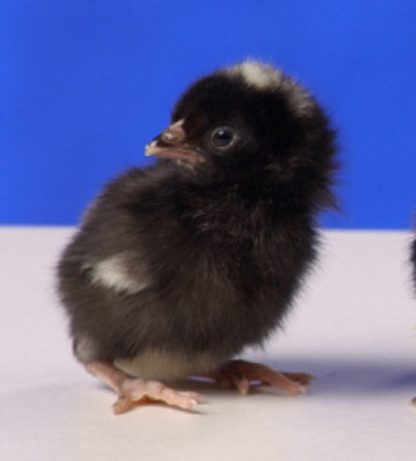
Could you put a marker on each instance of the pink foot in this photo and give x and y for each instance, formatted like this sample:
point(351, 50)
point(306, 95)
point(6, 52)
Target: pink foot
point(137, 391)
point(241, 374)
point(133, 392)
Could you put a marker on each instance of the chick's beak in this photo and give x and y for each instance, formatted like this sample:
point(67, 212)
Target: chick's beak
point(172, 144)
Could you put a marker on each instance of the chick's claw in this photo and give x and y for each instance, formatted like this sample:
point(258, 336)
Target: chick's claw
point(301, 378)
point(134, 392)
point(240, 374)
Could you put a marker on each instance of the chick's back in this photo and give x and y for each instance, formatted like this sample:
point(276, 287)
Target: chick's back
point(163, 265)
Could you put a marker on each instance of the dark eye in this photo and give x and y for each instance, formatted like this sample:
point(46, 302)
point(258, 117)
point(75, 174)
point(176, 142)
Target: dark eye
point(223, 137)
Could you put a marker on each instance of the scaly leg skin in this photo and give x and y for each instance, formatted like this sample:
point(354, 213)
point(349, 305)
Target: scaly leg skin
point(240, 374)
point(133, 392)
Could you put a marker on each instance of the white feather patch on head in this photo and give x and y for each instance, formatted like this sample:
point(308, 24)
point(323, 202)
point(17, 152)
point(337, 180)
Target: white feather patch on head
point(164, 365)
point(256, 74)
point(114, 273)
point(266, 77)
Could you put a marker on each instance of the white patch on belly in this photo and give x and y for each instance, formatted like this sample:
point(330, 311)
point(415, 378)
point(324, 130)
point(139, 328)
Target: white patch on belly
point(114, 273)
point(163, 365)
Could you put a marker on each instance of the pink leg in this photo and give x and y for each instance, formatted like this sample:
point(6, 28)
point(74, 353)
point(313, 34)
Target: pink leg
point(134, 391)
point(240, 374)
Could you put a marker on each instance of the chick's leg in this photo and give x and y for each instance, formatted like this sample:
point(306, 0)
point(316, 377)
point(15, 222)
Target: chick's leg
point(241, 374)
point(134, 391)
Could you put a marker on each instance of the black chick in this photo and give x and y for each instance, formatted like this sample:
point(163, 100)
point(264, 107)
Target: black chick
point(178, 266)
point(413, 263)
point(413, 260)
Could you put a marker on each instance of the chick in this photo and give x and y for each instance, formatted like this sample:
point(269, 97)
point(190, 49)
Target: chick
point(413, 263)
point(413, 260)
point(178, 266)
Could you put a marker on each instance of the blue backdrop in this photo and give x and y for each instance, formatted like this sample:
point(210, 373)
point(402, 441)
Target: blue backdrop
point(85, 85)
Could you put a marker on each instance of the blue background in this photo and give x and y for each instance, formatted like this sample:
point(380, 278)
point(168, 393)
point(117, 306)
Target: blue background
point(85, 85)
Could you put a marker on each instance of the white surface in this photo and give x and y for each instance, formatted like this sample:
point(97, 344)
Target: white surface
point(352, 327)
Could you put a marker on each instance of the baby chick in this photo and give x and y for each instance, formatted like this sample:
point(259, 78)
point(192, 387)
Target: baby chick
point(178, 266)
point(413, 263)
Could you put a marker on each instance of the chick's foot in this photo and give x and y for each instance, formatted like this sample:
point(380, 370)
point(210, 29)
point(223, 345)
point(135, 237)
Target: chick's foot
point(133, 392)
point(241, 375)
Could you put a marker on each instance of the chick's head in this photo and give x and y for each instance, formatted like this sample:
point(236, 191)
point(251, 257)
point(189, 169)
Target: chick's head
point(250, 123)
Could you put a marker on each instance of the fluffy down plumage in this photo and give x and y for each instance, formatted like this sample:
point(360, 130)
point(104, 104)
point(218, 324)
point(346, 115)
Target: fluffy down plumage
point(413, 261)
point(178, 266)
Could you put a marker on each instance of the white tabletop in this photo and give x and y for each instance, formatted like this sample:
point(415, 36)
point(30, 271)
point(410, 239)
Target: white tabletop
point(352, 327)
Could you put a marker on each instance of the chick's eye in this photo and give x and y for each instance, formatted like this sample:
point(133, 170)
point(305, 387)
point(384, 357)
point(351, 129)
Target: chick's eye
point(222, 137)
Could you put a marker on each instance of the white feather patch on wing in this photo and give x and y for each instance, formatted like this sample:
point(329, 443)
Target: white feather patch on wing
point(114, 273)
point(163, 365)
